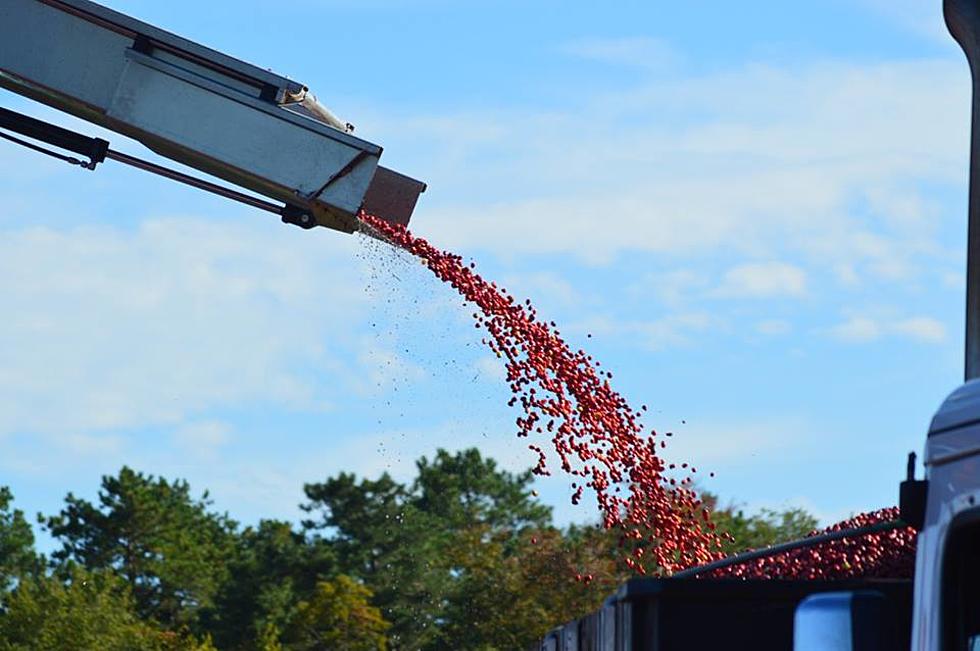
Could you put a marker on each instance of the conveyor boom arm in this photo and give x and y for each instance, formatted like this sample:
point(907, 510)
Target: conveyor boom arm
point(194, 105)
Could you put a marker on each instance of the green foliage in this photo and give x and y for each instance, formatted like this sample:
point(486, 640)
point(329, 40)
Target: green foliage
point(268, 639)
point(338, 616)
point(396, 549)
point(167, 546)
point(463, 557)
point(17, 557)
point(768, 527)
point(534, 581)
point(85, 611)
point(429, 550)
point(272, 567)
point(465, 489)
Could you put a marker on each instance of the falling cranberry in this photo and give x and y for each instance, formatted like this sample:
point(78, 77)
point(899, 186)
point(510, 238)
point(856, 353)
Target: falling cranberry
point(592, 431)
point(568, 404)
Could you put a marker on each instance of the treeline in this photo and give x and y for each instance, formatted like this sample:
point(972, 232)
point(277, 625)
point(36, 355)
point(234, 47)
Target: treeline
point(463, 557)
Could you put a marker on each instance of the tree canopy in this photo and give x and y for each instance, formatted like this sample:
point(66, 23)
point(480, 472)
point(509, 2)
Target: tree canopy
point(463, 556)
point(78, 609)
point(167, 546)
point(17, 557)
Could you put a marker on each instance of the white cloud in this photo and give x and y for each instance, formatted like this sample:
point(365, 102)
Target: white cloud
point(673, 329)
point(922, 328)
point(202, 438)
point(674, 288)
point(678, 329)
point(762, 280)
point(635, 51)
point(863, 328)
point(758, 162)
point(953, 280)
point(917, 16)
point(493, 368)
point(857, 329)
point(735, 443)
point(107, 328)
point(83, 444)
point(773, 327)
point(384, 368)
point(846, 274)
point(543, 286)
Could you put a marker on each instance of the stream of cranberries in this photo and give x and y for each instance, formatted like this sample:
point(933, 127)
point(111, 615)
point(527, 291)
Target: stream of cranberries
point(566, 399)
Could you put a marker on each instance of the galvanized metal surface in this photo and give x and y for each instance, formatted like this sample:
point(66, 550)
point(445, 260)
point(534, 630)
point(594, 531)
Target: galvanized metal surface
point(130, 27)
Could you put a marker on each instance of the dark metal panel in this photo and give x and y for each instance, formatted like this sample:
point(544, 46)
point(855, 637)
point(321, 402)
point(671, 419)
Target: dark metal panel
point(392, 196)
point(94, 148)
point(963, 21)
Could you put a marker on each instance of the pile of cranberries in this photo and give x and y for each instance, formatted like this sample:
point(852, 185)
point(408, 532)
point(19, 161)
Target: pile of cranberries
point(887, 555)
point(566, 399)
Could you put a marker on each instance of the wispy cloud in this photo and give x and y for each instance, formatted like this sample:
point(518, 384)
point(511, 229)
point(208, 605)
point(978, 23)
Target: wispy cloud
point(762, 280)
point(773, 327)
point(681, 328)
point(857, 329)
point(922, 328)
point(828, 162)
point(863, 328)
point(544, 286)
point(146, 327)
point(918, 17)
point(735, 443)
point(202, 438)
point(633, 51)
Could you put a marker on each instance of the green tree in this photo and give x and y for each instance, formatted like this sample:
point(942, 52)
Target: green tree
point(466, 489)
point(762, 529)
point(384, 540)
point(400, 539)
point(508, 596)
point(338, 616)
point(272, 568)
point(17, 556)
point(83, 611)
point(170, 549)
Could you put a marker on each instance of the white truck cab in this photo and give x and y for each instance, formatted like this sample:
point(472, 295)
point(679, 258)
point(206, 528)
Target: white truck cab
point(946, 611)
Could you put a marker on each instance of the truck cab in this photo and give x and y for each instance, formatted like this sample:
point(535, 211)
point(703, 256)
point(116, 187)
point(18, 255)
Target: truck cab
point(946, 612)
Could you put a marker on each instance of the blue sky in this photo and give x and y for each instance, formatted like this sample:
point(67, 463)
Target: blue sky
point(758, 211)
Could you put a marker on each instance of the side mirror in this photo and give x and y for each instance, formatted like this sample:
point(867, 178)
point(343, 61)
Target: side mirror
point(842, 621)
point(552, 641)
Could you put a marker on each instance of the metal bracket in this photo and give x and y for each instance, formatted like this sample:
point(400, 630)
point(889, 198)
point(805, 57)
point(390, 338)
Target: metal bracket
point(298, 217)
